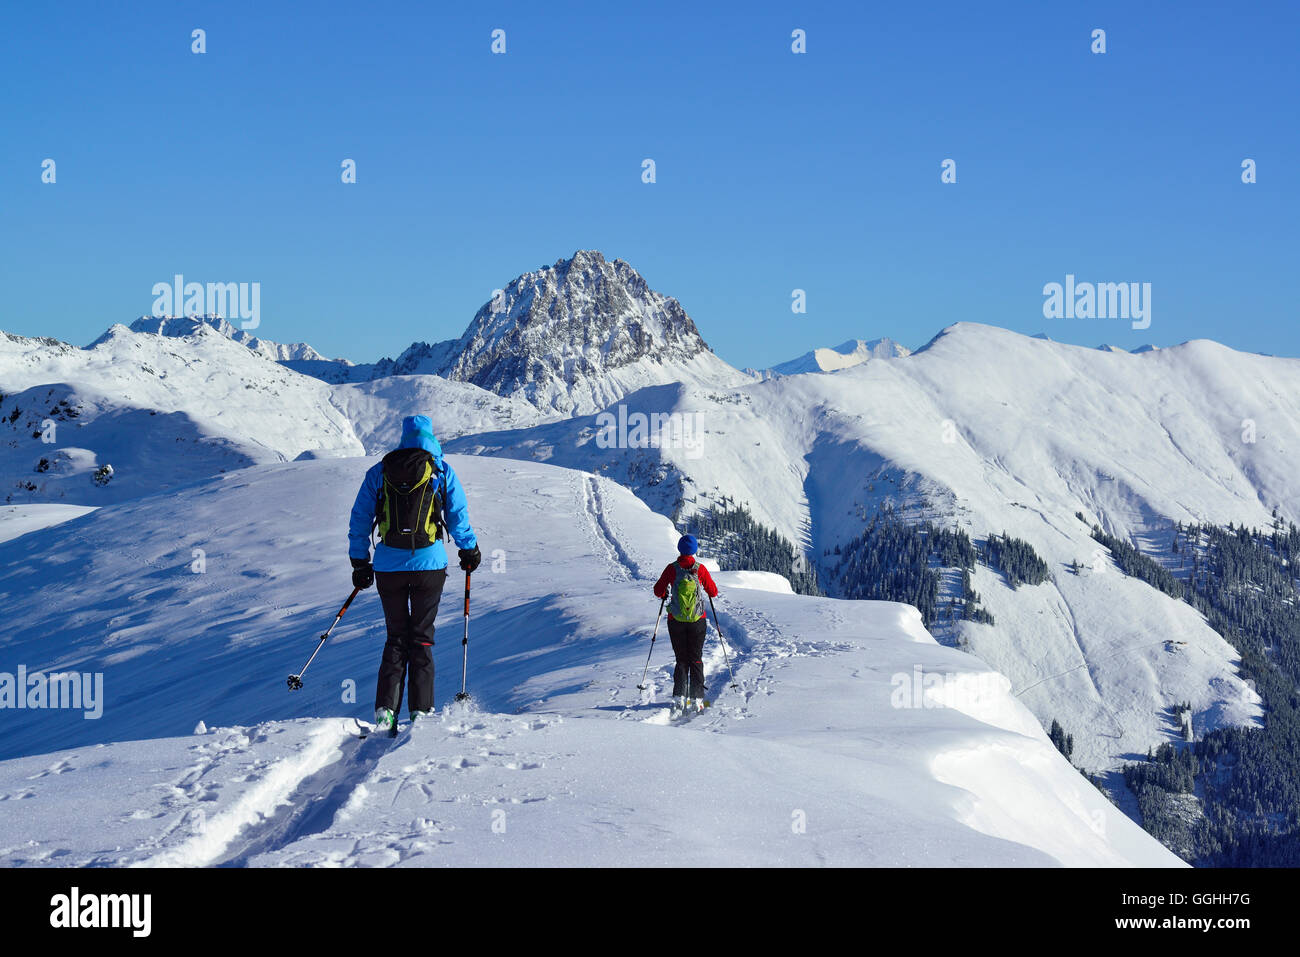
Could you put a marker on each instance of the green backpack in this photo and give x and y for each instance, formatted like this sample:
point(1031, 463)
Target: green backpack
point(686, 604)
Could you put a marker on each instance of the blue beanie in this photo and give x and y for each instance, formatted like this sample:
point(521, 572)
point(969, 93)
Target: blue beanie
point(686, 545)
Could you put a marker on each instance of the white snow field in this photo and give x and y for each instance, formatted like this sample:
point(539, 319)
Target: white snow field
point(455, 408)
point(852, 739)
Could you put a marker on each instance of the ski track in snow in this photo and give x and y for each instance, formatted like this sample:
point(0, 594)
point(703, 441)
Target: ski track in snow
point(319, 787)
point(1118, 731)
point(481, 746)
point(618, 560)
point(296, 784)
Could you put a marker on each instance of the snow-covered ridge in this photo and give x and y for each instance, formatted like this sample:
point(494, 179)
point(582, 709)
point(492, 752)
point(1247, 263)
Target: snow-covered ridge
point(11, 344)
point(846, 354)
point(849, 741)
point(182, 326)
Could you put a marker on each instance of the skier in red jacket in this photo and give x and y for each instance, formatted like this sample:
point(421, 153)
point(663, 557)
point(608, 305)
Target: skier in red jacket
point(687, 624)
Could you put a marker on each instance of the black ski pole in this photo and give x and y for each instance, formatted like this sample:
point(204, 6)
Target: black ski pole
point(295, 681)
point(723, 641)
point(653, 635)
point(464, 646)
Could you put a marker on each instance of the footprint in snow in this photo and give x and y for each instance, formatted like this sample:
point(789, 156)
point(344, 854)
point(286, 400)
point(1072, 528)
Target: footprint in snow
point(537, 724)
point(59, 767)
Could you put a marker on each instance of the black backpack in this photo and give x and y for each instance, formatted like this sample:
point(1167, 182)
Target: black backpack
point(410, 499)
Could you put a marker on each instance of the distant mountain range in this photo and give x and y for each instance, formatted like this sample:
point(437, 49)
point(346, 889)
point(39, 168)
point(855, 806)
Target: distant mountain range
point(568, 339)
point(182, 326)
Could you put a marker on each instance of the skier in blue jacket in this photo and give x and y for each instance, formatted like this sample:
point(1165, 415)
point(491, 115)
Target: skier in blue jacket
point(413, 497)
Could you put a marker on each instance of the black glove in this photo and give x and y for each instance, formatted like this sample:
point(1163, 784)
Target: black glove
point(470, 558)
point(363, 576)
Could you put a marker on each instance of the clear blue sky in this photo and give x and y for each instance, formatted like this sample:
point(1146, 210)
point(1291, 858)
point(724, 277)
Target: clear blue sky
point(775, 171)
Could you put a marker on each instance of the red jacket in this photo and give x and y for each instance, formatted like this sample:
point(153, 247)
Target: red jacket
point(667, 578)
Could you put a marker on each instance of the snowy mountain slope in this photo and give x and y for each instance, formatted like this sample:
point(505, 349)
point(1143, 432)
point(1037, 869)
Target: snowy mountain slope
point(31, 351)
point(1130, 437)
point(333, 371)
point(713, 444)
point(849, 741)
point(144, 449)
point(455, 408)
point(18, 520)
point(846, 354)
point(161, 411)
point(182, 326)
point(1001, 432)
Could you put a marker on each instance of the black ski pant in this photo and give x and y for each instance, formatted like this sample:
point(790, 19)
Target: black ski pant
point(410, 601)
point(688, 645)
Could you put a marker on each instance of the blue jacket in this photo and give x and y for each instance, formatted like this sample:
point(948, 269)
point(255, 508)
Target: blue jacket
point(417, 432)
